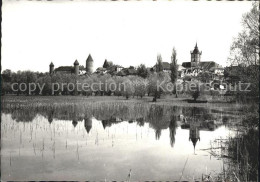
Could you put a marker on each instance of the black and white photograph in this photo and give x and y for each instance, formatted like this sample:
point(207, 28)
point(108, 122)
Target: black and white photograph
point(132, 91)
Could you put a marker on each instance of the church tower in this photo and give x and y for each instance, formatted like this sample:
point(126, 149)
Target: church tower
point(194, 135)
point(51, 70)
point(89, 65)
point(195, 57)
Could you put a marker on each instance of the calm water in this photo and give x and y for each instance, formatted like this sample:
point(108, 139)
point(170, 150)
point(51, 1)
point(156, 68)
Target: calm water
point(104, 142)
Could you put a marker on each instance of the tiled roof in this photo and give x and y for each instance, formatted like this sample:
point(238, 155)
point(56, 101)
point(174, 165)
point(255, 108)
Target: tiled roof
point(180, 67)
point(64, 68)
point(166, 65)
point(186, 64)
point(89, 59)
point(206, 65)
point(76, 62)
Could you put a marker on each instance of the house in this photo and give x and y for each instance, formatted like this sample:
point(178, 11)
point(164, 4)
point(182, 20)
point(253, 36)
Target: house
point(127, 71)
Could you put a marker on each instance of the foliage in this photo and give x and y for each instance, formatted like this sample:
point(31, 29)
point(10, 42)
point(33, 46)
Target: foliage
point(105, 65)
point(157, 83)
point(245, 48)
point(197, 89)
point(174, 66)
point(204, 77)
point(159, 66)
point(142, 71)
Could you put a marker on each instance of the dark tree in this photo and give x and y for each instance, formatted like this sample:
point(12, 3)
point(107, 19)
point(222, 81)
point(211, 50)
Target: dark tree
point(159, 65)
point(142, 71)
point(105, 65)
point(174, 69)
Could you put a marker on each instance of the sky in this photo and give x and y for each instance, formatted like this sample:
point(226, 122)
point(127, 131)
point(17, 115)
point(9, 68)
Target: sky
point(35, 33)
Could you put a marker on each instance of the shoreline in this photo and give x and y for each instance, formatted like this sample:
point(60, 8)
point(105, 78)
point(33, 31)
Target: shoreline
point(72, 100)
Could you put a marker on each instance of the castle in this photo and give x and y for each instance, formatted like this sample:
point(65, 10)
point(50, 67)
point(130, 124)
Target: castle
point(190, 68)
point(76, 69)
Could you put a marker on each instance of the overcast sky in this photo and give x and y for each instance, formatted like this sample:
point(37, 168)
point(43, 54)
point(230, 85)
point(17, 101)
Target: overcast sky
point(34, 33)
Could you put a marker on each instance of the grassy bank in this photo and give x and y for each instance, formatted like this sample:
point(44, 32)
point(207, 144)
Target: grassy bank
point(71, 100)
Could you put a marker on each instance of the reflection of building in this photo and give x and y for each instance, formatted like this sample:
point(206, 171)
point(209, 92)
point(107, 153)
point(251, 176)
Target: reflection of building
point(194, 135)
point(88, 124)
point(50, 116)
point(74, 123)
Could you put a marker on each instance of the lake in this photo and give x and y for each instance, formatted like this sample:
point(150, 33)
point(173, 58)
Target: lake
point(113, 141)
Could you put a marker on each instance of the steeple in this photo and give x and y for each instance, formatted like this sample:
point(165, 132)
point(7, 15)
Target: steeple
point(195, 56)
point(194, 135)
point(196, 49)
point(76, 62)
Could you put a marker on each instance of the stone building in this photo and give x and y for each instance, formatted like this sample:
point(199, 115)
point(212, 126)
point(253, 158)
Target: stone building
point(89, 65)
point(75, 69)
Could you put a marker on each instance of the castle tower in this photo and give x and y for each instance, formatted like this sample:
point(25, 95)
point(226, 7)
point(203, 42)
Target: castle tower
point(195, 56)
point(194, 135)
point(89, 65)
point(51, 70)
point(76, 67)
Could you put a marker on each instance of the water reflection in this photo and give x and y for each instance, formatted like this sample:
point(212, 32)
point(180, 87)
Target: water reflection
point(158, 117)
point(84, 141)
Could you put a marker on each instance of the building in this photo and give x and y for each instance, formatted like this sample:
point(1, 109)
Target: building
point(75, 69)
point(65, 69)
point(89, 65)
point(197, 64)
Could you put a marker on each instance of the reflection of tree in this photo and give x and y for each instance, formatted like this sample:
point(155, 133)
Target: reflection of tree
point(172, 128)
point(158, 134)
point(74, 123)
point(23, 115)
point(106, 123)
point(157, 120)
point(140, 121)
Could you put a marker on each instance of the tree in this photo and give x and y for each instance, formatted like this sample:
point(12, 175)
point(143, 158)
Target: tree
point(197, 89)
point(174, 69)
point(159, 66)
point(142, 71)
point(6, 75)
point(105, 65)
point(127, 88)
point(157, 84)
point(245, 48)
point(204, 77)
point(140, 86)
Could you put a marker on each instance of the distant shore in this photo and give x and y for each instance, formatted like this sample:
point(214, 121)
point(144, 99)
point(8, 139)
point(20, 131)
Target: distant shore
point(164, 100)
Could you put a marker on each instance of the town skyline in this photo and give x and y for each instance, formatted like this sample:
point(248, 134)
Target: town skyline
point(126, 40)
